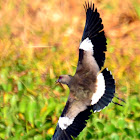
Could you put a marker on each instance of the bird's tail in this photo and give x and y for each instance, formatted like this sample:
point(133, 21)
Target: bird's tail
point(105, 91)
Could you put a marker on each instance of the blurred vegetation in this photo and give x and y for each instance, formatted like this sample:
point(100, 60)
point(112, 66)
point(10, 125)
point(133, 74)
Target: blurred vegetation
point(39, 41)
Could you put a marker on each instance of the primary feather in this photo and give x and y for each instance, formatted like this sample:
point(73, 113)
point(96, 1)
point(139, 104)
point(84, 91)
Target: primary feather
point(94, 31)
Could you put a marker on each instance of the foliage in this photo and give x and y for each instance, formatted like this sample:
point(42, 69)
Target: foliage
point(36, 47)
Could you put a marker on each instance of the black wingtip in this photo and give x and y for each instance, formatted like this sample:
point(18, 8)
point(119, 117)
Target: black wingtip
point(61, 134)
point(88, 5)
point(75, 128)
point(94, 31)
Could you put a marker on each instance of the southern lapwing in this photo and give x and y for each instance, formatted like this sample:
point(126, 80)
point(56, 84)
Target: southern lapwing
point(90, 88)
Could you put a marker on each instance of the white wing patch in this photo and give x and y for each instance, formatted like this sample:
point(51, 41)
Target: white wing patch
point(100, 89)
point(64, 122)
point(86, 45)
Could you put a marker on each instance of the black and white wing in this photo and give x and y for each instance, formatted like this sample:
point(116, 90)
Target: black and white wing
point(93, 38)
point(67, 128)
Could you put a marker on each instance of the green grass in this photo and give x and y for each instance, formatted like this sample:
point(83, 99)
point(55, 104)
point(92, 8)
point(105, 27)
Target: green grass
point(35, 49)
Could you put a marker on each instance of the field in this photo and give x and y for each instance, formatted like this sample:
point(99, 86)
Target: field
point(39, 41)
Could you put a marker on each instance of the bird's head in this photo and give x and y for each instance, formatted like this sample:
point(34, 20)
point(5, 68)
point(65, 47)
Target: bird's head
point(64, 79)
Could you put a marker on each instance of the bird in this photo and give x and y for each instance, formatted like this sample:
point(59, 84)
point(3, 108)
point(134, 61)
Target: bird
point(92, 87)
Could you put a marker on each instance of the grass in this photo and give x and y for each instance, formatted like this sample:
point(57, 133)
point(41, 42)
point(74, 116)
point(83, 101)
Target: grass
point(36, 47)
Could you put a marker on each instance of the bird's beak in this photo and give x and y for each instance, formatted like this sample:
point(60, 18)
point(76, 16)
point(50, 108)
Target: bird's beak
point(57, 82)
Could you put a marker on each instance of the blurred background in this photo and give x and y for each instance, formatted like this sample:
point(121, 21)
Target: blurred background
point(39, 41)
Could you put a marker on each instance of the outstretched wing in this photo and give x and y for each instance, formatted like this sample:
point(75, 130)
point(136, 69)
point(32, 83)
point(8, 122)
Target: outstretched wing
point(93, 38)
point(72, 121)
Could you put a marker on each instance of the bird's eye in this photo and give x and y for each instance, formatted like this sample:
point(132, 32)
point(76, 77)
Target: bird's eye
point(60, 77)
